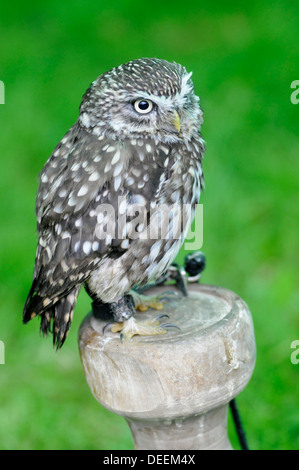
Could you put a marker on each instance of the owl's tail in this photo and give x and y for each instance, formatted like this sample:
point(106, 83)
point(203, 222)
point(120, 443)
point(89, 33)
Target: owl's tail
point(56, 314)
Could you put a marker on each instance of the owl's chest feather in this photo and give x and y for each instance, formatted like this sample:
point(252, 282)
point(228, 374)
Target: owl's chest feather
point(182, 181)
point(167, 181)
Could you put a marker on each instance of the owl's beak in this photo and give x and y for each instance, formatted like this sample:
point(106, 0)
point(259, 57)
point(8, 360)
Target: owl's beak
point(176, 120)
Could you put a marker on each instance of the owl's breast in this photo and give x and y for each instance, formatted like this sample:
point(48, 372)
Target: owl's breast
point(172, 212)
point(183, 178)
point(167, 186)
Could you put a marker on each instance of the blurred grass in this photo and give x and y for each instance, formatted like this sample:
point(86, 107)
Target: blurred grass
point(244, 59)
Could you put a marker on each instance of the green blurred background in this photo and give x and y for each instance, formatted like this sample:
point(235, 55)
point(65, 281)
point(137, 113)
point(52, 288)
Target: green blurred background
point(244, 57)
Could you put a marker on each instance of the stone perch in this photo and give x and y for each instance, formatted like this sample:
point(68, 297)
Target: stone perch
point(174, 389)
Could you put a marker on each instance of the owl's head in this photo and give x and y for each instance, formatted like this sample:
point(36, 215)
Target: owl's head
point(143, 98)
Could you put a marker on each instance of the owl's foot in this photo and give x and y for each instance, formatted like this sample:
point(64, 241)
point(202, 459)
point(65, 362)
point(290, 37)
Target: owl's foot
point(131, 327)
point(144, 302)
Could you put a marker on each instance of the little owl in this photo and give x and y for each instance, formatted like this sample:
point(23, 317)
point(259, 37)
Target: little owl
point(117, 196)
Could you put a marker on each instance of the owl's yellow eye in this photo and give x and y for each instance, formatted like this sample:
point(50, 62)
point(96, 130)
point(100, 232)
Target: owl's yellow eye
point(143, 106)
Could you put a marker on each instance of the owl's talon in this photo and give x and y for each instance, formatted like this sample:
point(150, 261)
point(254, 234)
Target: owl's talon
point(170, 325)
point(108, 325)
point(163, 315)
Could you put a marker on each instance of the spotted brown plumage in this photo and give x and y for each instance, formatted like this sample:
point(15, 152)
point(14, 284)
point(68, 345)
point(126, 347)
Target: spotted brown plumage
point(136, 144)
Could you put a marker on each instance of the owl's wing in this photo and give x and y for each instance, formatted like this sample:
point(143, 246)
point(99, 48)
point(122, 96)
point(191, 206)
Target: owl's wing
point(84, 177)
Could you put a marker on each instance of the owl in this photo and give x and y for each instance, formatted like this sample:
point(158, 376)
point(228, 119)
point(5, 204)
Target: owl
point(117, 196)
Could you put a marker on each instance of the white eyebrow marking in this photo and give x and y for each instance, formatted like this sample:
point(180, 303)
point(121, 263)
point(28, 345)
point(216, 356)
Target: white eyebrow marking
point(169, 102)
